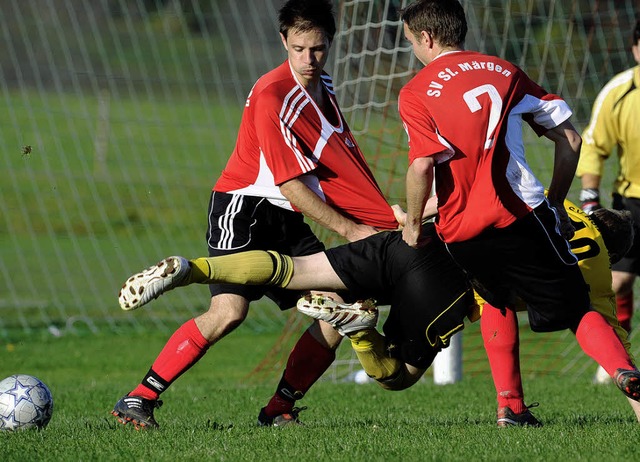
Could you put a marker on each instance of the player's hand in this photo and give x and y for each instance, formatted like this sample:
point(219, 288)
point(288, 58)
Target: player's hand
point(357, 232)
point(412, 235)
point(566, 227)
point(400, 214)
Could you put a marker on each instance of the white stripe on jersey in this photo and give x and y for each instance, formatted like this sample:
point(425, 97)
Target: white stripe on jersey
point(292, 106)
point(549, 114)
point(225, 222)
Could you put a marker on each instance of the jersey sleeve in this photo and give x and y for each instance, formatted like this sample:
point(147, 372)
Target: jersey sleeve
point(543, 111)
point(285, 155)
point(598, 139)
point(422, 133)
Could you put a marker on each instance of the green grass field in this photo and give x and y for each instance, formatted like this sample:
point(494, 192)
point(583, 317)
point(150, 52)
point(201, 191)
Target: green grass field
point(210, 413)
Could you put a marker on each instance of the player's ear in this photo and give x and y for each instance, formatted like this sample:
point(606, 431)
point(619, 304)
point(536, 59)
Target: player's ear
point(635, 49)
point(284, 41)
point(427, 38)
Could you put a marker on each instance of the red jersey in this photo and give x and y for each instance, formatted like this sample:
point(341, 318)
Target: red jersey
point(284, 134)
point(466, 109)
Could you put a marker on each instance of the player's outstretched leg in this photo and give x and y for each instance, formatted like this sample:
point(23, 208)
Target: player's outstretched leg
point(137, 410)
point(149, 284)
point(628, 380)
point(345, 318)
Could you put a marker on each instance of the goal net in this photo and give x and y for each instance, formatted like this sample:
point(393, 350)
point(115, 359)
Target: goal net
point(118, 116)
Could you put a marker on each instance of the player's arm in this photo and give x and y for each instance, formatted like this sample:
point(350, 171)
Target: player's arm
point(419, 181)
point(599, 141)
point(430, 211)
point(308, 202)
point(567, 152)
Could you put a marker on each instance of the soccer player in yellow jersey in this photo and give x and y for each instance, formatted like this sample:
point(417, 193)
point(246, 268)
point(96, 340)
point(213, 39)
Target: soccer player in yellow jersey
point(615, 122)
point(500, 329)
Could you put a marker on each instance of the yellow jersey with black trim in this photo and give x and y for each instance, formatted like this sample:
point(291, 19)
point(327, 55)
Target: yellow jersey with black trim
point(593, 259)
point(615, 122)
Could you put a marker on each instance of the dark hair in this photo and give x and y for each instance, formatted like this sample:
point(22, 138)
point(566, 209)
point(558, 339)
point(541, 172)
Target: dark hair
point(443, 19)
point(616, 227)
point(306, 15)
point(636, 33)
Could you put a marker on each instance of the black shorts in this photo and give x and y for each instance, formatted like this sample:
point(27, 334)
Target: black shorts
point(631, 261)
point(238, 223)
point(428, 293)
point(531, 260)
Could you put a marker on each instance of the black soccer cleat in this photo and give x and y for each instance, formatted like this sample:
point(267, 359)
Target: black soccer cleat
point(628, 381)
point(508, 418)
point(281, 420)
point(136, 410)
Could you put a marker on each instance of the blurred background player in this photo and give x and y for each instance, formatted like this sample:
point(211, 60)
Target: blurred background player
point(463, 113)
point(615, 122)
point(294, 157)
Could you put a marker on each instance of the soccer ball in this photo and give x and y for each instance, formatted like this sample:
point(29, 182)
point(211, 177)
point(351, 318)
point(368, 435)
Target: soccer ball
point(25, 402)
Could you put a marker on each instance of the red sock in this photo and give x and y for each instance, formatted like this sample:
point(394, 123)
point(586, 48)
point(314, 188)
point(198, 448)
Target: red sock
point(598, 340)
point(624, 310)
point(501, 341)
point(307, 362)
point(185, 347)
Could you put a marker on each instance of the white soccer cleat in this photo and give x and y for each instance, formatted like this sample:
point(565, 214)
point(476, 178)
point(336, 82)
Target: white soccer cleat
point(149, 284)
point(345, 318)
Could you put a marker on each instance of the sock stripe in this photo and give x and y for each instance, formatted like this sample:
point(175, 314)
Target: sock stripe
point(282, 269)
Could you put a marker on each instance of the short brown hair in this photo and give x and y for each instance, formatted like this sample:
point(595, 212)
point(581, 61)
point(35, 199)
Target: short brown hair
point(306, 15)
point(616, 227)
point(443, 19)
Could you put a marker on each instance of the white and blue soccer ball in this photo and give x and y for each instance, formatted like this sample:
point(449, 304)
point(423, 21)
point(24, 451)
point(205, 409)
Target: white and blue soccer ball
point(25, 402)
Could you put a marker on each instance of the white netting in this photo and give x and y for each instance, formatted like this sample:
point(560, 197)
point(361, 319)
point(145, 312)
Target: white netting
point(118, 115)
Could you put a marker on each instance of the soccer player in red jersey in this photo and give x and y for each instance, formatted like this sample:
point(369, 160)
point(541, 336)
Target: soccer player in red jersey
point(463, 113)
point(294, 157)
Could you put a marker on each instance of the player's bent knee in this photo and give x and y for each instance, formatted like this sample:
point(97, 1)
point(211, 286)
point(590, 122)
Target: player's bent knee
point(405, 377)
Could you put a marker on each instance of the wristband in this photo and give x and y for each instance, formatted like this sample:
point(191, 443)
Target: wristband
point(590, 195)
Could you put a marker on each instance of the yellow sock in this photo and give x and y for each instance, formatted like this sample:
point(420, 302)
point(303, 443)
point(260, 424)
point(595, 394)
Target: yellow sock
point(370, 347)
point(254, 267)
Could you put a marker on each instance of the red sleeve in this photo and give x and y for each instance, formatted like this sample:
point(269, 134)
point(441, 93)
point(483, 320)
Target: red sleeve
point(421, 129)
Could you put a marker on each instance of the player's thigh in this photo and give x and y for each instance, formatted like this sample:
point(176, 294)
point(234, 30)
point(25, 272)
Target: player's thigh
point(363, 267)
point(314, 272)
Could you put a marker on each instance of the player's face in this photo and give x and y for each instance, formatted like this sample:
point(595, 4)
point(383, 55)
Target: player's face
point(308, 53)
point(419, 46)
